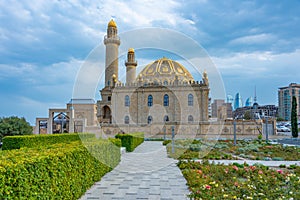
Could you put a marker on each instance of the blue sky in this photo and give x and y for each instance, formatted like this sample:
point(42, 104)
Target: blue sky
point(44, 43)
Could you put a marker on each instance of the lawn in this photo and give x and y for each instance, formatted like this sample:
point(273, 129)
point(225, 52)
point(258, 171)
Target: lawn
point(215, 181)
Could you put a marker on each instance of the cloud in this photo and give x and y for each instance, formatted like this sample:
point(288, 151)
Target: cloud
point(263, 38)
point(265, 70)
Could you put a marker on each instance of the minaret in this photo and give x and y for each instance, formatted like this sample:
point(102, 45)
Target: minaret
point(130, 66)
point(112, 43)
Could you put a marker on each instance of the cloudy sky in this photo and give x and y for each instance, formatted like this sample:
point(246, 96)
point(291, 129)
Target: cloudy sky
point(45, 42)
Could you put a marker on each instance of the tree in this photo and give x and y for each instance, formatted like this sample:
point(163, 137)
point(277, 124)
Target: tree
point(294, 120)
point(14, 126)
point(247, 115)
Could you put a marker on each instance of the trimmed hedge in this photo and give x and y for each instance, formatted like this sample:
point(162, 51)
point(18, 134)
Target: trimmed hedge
point(131, 141)
point(115, 141)
point(31, 141)
point(59, 171)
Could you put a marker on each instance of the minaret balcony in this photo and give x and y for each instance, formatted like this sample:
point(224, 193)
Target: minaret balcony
point(115, 39)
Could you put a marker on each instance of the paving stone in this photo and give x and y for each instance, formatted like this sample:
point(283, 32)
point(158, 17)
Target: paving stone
point(146, 173)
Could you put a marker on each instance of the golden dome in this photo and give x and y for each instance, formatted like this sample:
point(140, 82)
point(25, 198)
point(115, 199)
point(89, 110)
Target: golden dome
point(112, 23)
point(130, 50)
point(165, 69)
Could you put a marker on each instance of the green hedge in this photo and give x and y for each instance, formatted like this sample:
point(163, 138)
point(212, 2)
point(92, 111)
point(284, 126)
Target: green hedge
point(30, 141)
point(59, 171)
point(131, 141)
point(115, 141)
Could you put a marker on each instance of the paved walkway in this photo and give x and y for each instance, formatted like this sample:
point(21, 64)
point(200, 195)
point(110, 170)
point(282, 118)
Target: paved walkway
point(146, 173)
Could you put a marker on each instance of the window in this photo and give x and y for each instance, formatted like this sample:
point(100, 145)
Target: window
point(126, 120)
point(150, 119)
point(190, 118)
point(165, 82)
point(166, 100)
point(127, 101)
point(190, 100)
point(150, 100)
point(166, 118)
point(109, 98)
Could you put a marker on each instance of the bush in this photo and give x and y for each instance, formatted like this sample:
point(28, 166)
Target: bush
point(59, 171)
point(131, 141)
point(166, 142)
point(17, 142)
point(115, 141)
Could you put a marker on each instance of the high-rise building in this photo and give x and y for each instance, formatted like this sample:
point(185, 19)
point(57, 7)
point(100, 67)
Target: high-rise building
point(285, 95)
point(249, 102)
point(238, 101)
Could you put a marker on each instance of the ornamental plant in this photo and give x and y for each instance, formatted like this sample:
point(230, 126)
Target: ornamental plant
point(217, 181)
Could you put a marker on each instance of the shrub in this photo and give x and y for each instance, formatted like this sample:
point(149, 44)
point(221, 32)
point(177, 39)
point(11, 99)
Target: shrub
point(277, 159)
point(131, 141)
point(59, 171)
point(16, 142)
point(166, 142)
point(115, 141)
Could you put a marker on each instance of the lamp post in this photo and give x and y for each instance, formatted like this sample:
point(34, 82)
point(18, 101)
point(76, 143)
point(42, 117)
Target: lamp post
point(234, 131)
point(173, 135)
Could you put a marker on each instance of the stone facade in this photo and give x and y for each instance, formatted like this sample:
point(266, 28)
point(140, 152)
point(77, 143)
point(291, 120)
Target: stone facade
point(163, 92)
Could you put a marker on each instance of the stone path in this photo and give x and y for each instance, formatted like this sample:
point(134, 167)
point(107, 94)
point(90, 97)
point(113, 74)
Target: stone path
point(146, 173)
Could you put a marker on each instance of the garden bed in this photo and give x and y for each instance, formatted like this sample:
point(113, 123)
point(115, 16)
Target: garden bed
point(215, 181)
point(216, 150)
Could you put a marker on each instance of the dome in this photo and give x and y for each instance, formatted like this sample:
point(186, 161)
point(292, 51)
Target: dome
point(112, 23)
point(163, 70)
point(130, 50)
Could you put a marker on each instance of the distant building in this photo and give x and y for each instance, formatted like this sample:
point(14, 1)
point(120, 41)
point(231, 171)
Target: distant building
point(238, 101)
point(230, 100)
point(285, 95)
point(249, 102)
point(218, 106)
point(215, 105)
point(256, 111)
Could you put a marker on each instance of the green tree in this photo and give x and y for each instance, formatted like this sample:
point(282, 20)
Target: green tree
point(294, 120)
point(247, 115)
point(14, 126)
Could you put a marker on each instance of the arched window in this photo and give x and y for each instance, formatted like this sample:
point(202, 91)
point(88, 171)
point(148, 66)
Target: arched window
point(126, 120)
point(190, 118)
point(150, 119)
point(150, 100)
point(190, 100)
point(127, 101)
point(166, 100)
point(165, 82)
point(166, 118)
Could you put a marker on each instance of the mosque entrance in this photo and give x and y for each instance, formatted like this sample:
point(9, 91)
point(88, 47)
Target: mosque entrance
point(106, 117)
point(60, 123)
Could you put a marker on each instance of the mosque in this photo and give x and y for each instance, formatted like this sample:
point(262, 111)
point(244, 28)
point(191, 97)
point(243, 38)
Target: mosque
point(163, 97)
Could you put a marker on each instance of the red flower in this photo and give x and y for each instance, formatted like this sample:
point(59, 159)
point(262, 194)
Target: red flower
point(252, 168)
point(199, 171)
point(280, 171)
point(208, 187)
point(235, 168)
point(260, 172)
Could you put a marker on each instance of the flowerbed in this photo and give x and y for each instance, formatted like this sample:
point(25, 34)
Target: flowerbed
point(252, 150)
point(212, 181)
